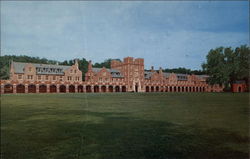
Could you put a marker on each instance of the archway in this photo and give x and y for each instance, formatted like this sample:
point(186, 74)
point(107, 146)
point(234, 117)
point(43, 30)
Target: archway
point(32, 88)
point(123, 88)
point(42, 88)
point(8, 88)
point(62, 89)
point(20, 88)
point(183, 89)
point(152, 88)
point(239, 89)
point(157, 89)
point(174, 88)
point(52, 89)
point(166, 89)
point(179, 89)
point(193, 89)
point(117, 89)
point(186, 89)
point(147, 88)
point(190, 89)
point(80, 88)
point(197, 89)
point(96, 89)
point(103, 88)
point(71, 88)
point(88, 88)
point(110, 88)
point(171, 89)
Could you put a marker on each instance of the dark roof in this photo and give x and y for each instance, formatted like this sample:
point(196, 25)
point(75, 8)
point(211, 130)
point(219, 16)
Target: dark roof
point(240, 82)
point(41, 68)
point(114, 73)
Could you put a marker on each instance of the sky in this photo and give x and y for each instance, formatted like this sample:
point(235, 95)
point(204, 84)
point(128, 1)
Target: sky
point(166, 34)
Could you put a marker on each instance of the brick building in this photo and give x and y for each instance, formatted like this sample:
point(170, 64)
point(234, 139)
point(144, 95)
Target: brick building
point(127, 76)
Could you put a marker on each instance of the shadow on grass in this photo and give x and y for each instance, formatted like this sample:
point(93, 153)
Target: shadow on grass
point(121, 137)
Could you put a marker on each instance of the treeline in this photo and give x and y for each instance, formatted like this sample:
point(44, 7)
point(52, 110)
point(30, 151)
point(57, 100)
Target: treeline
point(184, 71)
point(83, 64)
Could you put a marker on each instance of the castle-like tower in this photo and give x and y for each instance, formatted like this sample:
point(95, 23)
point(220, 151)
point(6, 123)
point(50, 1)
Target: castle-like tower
point(133, 72)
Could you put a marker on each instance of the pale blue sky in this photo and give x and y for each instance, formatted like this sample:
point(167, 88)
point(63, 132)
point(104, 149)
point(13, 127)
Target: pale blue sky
point(165, 33)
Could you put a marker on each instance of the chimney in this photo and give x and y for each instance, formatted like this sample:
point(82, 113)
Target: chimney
point(152, 68)
point(76, 63)
point(160, 70)
point(90, 65)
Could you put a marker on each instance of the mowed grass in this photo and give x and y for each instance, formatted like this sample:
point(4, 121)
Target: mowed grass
point(125, 126)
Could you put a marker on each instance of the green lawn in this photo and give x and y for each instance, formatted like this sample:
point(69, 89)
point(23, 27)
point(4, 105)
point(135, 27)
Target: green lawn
point(125, 125)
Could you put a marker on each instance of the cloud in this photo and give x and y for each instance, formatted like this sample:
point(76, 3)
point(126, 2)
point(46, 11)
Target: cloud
point(167, 34)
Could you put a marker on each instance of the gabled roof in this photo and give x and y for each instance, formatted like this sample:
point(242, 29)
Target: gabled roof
point(41, 68)
point(114, 73)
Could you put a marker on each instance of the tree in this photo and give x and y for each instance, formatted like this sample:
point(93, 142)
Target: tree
point(225, 65)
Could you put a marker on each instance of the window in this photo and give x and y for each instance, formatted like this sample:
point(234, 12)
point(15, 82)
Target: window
point(30, 76)
point(20, 76)
point(60, 78)
point(100, 79)
point(75, 71)
point(70, 71)
point(47, 77)
point(54, 77)
point(39, 77)
point(69, 78)
point(29, 69)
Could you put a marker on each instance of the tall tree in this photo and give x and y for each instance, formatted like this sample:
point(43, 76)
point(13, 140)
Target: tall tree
point(225, 65)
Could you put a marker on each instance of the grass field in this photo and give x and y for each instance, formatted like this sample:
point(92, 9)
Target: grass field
point(125, 126)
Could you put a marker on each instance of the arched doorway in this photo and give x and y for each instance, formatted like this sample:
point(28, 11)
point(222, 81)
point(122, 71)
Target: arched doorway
point(96, 89)
point(71, 88)
point(174, 88)
point(239, 89)
point(110, 88)
point(62, 89)
point(20, 88)
point(166, 89)
point(179, 89)
point(88, 88)
point(52, 89)
point(152, 88)
point(117, 89)
point(80, 88)
point(147, 88)
point(32, 88)
point(157, 89)
point(123, 88)
point(8, 88)
point(42, 88)
point(103, 88)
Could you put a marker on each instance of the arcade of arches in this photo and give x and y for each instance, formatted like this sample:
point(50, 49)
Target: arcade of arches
point(53, 88)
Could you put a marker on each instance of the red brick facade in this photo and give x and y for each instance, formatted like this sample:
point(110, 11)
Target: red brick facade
point(126, 76)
